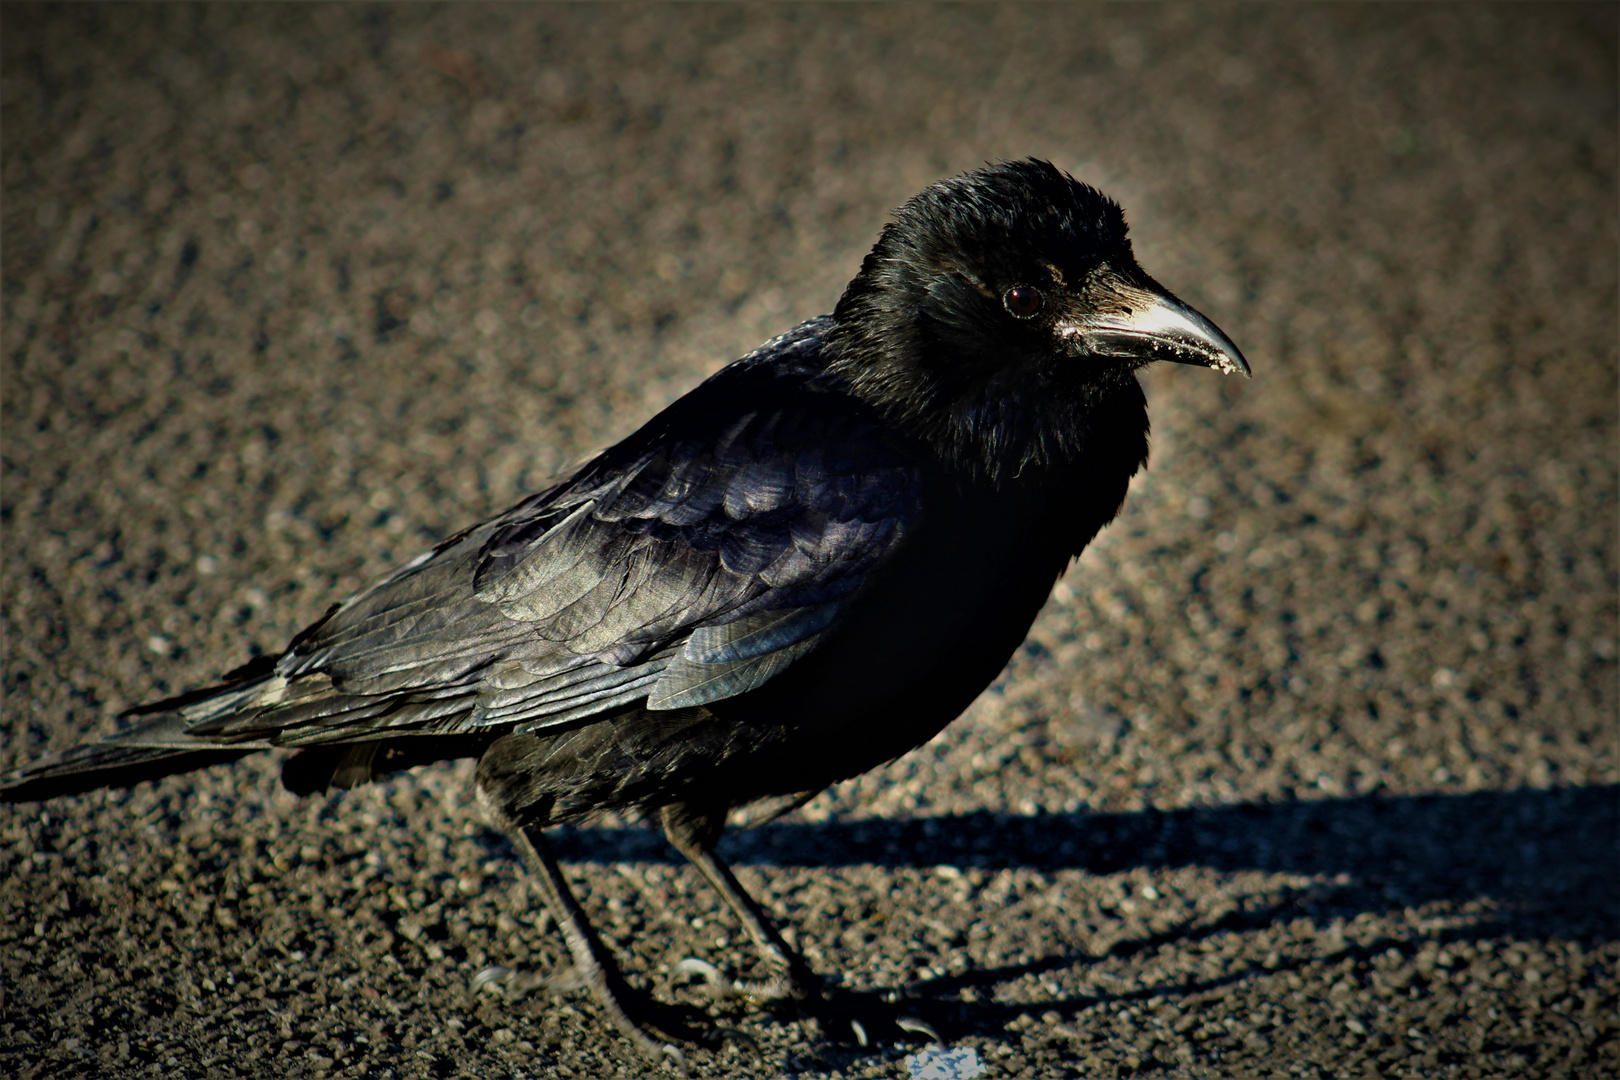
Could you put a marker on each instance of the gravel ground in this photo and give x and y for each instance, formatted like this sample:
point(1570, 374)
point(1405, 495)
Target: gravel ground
point(1309, 766)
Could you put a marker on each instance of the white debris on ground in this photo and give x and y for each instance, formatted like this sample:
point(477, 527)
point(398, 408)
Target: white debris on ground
point(945, 1063)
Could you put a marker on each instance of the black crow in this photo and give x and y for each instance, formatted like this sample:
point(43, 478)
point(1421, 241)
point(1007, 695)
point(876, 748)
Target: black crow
point(802, 569)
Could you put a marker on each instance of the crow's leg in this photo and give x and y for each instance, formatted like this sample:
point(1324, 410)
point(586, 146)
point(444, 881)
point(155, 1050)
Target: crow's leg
point(694, 832)
point(593, 964)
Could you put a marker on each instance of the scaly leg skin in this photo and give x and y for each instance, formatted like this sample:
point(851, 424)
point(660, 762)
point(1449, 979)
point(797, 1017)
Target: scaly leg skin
point(632, 1012)
point(863, 1017)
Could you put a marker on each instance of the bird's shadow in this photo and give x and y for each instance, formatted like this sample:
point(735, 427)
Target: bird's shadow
point(1544, 860)
point(1545, 854)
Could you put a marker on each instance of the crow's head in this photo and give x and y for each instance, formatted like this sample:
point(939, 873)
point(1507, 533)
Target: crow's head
point(1002, 314)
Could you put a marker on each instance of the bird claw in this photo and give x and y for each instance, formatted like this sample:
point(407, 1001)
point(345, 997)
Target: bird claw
point(864, 1019)
point(917, 1027)
point(845, 1016)
point(716, 983)
point(720, 986)
point(632, 1013)
point(712, 975)
point(492, 977)
point(516, 983)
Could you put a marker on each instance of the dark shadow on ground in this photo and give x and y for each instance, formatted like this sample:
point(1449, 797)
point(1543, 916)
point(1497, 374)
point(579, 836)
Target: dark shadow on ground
point(1548, 857)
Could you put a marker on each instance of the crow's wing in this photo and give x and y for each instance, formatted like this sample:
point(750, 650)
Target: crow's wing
point(690, 563)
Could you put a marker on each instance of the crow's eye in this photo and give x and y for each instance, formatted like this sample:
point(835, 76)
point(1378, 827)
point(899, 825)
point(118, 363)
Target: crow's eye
point(1023, 301)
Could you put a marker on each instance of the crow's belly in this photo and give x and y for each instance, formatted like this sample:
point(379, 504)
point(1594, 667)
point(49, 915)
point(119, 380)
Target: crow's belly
point(913, 654)
point(867, 699)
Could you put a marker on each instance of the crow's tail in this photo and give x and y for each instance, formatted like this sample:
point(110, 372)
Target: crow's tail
point(156, 747)
point(86, 768)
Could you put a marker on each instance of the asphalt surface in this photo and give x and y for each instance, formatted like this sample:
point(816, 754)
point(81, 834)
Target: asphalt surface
point(1308, 768)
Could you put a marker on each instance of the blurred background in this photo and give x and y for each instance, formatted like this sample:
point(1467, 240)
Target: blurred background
point(1307, 768)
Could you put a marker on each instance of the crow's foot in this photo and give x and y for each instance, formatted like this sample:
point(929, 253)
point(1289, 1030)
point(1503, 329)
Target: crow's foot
point(843, 1015)
point(516, 983)
point(863, 1019)
point(657, 1030)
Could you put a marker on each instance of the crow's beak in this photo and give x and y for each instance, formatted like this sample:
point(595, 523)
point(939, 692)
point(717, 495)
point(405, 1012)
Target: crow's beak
point(1148, 323)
